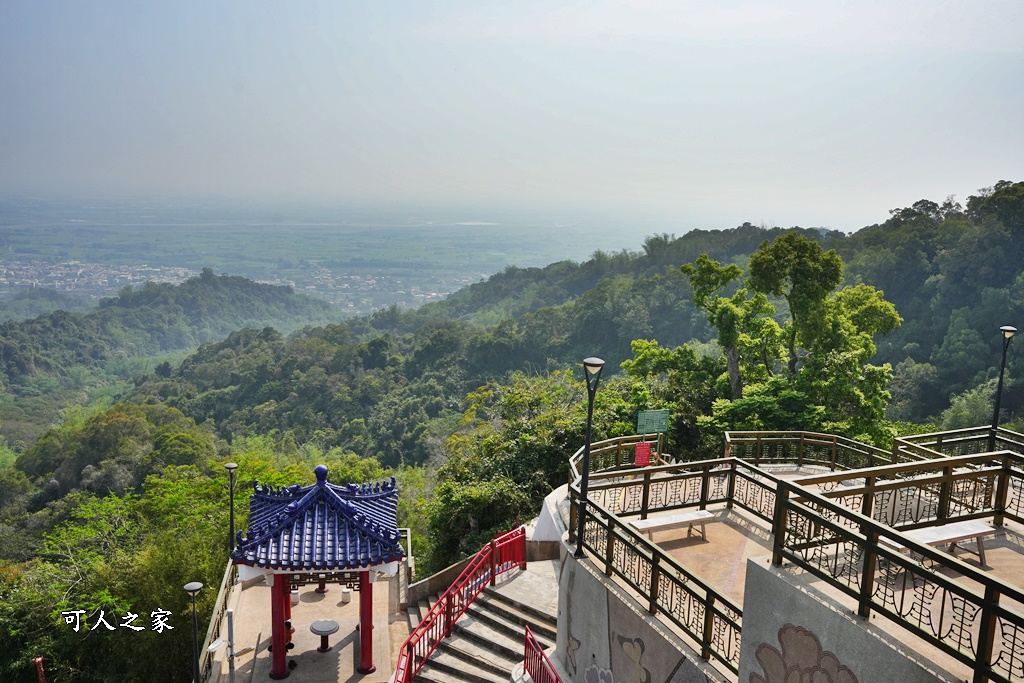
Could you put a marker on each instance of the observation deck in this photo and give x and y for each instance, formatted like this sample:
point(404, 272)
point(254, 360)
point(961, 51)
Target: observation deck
point(795, 556)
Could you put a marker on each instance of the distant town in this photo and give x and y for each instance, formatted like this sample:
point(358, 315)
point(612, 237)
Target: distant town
point(355, 294)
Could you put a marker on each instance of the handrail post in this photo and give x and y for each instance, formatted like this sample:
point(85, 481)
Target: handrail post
point(491, 563)
point(652, 602)
point(867, 579)
point(945, 492)
point(867, 504)
point(800, 452)
point(609, 546)
point(757, 453)
point(705, 486)
point(732, 485)
point(779, 523)
point(709, 626)
point(646, 495)
point(835, 451)
point(573, 510)
point(1002, 490)
point(986, 634)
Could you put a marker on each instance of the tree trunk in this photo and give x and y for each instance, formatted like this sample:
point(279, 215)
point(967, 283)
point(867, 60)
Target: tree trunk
point(732, 359)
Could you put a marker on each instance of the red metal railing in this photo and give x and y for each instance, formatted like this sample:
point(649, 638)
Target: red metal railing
point(536, 663)
point(504, 553)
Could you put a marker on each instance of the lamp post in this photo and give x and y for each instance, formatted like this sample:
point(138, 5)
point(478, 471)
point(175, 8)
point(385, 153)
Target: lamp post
point(231, 467)
point(592, 367)
point(192, 589)
point(1008, 332)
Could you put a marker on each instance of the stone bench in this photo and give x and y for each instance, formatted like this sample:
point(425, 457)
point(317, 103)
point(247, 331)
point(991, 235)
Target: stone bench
point(689, 518)
point(951, 533)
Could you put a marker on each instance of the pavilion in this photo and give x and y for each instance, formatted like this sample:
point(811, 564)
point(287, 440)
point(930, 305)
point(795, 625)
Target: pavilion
point(320, 533)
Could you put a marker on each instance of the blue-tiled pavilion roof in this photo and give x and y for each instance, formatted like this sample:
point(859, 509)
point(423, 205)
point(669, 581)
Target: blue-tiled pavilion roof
point(322, 527)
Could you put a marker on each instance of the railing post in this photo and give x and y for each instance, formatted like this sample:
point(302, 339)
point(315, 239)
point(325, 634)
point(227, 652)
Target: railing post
point(1002, 491)
point(522, 548)
point(573, 509)
point(732, 485)
point(652, 602)
point(945, 491)
point(491, 551)
point(867, 504)
point(867, 579)
point(800, 452)
point(646, 495)
point(609, 548)
point(709, 626)
point(618, 454)
point(779, 522)
point(705, 486)
point(986, 634)
point(757, 453)
point(448, 619)
point(835, 451)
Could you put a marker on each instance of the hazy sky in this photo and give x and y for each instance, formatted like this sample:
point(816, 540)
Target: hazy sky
point(814, 113)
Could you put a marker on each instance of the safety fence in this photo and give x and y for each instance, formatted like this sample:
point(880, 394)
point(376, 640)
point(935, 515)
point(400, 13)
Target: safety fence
point(213, 631)
point(504, 553)
point(811, 448)
point(956, 442)
point(666, 587)
point(850, 533)
point(536, 662)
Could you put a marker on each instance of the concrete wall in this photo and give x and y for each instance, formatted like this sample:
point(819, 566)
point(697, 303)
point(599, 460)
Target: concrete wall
point(604, 636)
point(785, 626)
point(436, 584)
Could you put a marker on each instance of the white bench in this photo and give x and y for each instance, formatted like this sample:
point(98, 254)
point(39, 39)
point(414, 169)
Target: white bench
point(690, 517)
point(951, 533)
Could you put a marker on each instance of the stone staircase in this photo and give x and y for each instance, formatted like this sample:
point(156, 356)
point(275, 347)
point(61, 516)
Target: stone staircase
point(486, 642)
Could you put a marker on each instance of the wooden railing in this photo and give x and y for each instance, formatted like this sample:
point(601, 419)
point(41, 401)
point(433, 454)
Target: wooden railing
point(213, 631)
point(835, 535)
point(809, 448)
point(504, 553)
point(665, 586)
point(956, 442)
point(536, 662)
point(615, 454)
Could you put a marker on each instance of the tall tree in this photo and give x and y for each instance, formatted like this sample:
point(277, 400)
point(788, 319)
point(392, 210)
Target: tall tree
point(730, 316)
point(798, 269)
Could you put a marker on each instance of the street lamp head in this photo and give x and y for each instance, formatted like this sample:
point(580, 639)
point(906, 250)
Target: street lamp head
point(1008, 331)
point(193, 588)
point(231, 467)
point(593, 365)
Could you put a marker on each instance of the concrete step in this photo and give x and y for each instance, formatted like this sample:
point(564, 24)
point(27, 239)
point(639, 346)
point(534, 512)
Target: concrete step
point(544, 626)
point(487, 641)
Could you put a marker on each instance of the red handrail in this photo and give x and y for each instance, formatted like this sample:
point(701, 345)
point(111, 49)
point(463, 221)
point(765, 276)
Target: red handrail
point(536, 662)
point(504, 553)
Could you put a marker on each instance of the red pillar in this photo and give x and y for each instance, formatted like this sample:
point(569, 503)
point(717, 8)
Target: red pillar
point(278, 657)
point(287, 597)
point(365, 624)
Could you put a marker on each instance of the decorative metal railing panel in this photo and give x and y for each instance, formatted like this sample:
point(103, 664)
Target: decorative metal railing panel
point(963, 617)
point(831, 525)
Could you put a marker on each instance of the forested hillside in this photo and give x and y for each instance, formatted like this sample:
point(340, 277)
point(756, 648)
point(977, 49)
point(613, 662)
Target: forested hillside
point(475, 403)
point(62, 358)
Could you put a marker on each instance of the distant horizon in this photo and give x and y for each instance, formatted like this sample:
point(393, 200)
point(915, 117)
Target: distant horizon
point(665, 114)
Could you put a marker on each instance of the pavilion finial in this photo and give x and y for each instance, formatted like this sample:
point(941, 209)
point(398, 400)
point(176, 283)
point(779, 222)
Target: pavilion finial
point(321, 475)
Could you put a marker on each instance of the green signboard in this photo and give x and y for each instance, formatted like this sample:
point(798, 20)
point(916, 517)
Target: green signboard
point(652, 422)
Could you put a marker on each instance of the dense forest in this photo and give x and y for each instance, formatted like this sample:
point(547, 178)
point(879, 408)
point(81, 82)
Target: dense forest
point(473, 403)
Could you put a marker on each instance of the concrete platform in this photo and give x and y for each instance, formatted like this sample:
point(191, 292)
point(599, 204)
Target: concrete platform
point(252, 629)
